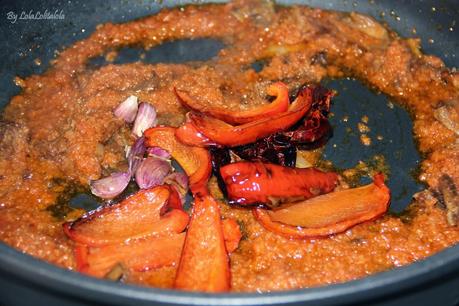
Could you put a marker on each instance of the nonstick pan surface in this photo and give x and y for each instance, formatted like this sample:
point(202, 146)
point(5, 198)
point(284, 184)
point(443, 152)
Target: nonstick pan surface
point(28, 281)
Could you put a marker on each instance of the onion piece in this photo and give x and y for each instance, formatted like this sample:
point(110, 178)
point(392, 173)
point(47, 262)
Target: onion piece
point(444, 114)
point(110, 186)
point(127, 151)
point(196, 162)
point(158, 152)
point(301, 162)
point(115, 273)
point(146, 118)
point(368, 25)
point(127, 109)
point(151, 172)
point(179, 181)
point(135, 154)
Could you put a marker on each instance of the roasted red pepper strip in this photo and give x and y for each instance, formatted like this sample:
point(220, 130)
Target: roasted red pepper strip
point(175, 201)
point(189, 135)
point(136, 216)
point(279, 105)
point(232, 234)
point(225, 134)
point(328, 214)
point(204, 264)
point(144, 253)
point(256, 182)
point(138, 254)
point(195, 161)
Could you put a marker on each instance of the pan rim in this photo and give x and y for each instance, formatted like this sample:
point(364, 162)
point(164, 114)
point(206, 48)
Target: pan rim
point(43, 275)
point(47, 276)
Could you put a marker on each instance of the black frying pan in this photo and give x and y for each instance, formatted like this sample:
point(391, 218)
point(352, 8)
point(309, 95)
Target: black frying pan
point(27, 281)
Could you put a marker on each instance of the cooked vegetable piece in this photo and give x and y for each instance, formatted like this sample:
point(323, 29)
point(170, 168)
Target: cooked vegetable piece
point(232, 234)
point(158, 153)
point(328, 214)
point(179, 184)
point(136, 153)
point(276, 149)
point(311, 131)
point(136, 216)
point(138, 254)
point(195, 161)
point(116, 273)
point(146, 118)
point(204, 264)
point(314, 128)
point(255, 183)
point(127, 109)
point(450, 198)
point(110, 186)
point(448, 115)
point(220, 157)
point(175, 221)
point(176, 198)
point(279, 105)
point(225, 134)
point(189, 135)
point(151, 172)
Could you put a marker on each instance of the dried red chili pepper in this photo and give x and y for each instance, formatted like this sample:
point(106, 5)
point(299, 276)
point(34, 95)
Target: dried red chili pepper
point(314, 127)
point(276, 149)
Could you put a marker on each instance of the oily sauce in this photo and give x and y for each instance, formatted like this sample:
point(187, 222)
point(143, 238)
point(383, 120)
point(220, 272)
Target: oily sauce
point(60, 132)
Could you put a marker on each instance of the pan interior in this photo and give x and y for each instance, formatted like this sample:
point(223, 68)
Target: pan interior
point(344, 150)
point(370, 132)
point(390, 128)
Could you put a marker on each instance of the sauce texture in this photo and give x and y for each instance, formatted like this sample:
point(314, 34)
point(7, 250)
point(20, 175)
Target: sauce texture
point(60, 132)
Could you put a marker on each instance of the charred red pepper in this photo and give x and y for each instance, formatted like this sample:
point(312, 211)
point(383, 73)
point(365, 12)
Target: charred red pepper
point(142, 214)
point(328, 214)
point(232, 234)
point(142, 232)
point(225, 134)
point(279, 105)
point(255, 183)
point(175, 200)
point(310, 131)
point(204, 264)
point(195, 161)
point(189, 135)
point(144, 253)
point(139, 254)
